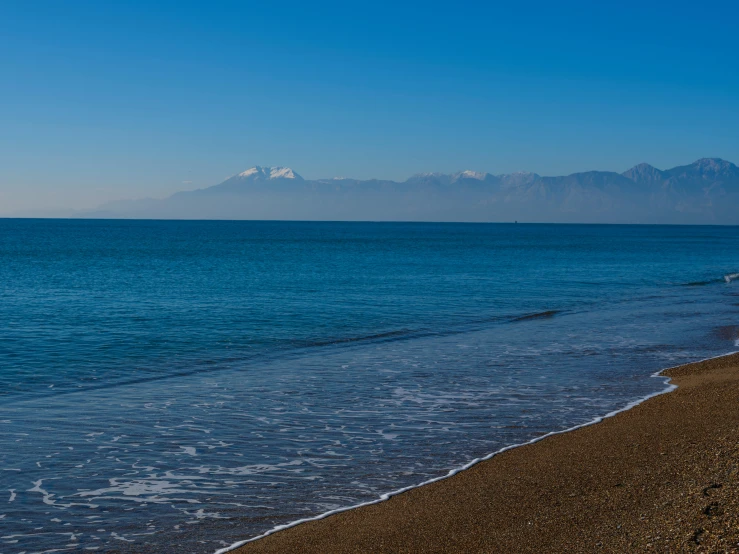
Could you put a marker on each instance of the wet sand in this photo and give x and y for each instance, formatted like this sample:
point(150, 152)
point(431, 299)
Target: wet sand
point(661, 477)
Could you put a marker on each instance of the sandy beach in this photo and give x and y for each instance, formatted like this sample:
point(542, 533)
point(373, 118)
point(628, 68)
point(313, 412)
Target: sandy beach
point(661, 477)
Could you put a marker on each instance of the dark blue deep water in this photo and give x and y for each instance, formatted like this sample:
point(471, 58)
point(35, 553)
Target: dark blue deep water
point(191, 384)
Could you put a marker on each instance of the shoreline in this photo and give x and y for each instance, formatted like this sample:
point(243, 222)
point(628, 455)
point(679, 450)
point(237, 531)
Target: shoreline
point(318, 533)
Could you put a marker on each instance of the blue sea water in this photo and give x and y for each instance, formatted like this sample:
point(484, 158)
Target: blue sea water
point(186, 385)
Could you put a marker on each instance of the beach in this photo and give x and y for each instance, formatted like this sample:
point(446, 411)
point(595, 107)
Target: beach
point(256, 374)
point(660, 477)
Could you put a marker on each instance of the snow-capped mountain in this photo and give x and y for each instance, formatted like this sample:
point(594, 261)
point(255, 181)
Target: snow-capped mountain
point(258, 173)
point(262, 175)
point(706, 191)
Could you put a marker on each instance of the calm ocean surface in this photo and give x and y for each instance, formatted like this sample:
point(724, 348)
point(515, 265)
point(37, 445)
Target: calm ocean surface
point(189, 384)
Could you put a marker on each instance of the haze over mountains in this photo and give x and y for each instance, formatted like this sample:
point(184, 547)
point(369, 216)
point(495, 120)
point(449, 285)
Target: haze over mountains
point(706, 191)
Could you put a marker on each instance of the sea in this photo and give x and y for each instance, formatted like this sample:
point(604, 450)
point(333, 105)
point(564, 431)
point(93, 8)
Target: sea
point(183, 386)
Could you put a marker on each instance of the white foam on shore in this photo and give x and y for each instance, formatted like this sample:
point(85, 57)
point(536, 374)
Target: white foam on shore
point(669, 387)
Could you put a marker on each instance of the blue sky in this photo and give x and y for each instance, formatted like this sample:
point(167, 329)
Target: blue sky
point(107, 100)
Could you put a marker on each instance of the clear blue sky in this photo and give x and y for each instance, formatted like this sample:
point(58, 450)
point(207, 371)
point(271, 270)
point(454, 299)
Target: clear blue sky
point(106, 100)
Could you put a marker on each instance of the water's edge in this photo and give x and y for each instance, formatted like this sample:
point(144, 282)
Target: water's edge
point(669, 387)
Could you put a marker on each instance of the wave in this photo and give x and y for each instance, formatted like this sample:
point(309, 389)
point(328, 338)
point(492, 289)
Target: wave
point(469, 326)
point(728, 278)
point(204, 366)
point(703, 283)
point(669, 387)
point(539, 315)
point(377, 336)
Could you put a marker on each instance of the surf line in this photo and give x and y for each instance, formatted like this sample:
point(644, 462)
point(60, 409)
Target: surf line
point(669, 387)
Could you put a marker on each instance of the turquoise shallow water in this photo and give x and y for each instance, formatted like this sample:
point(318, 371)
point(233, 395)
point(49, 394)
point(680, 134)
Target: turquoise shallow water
point(191, 384)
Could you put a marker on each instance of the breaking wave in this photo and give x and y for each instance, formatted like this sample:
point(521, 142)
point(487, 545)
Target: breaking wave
point(702, 283)
point(728, 278)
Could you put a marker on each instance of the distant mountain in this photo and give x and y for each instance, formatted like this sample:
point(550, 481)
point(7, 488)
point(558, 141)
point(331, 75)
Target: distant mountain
point(256, 175)
point(706, 191)
point(645, 174)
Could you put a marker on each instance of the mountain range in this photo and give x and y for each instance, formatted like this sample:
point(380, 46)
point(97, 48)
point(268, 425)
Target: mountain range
point(706, 191)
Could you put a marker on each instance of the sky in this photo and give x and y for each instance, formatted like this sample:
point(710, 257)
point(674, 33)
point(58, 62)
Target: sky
point(108, 100)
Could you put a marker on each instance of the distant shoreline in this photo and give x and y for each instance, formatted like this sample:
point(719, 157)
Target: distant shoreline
point(661, 476)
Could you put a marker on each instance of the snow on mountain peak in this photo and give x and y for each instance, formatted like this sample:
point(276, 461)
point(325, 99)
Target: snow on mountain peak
point(250, 172)
point(468, 174)
point(258, 172)
point(281, 173)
